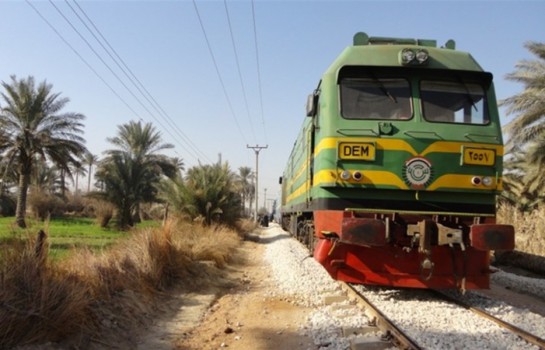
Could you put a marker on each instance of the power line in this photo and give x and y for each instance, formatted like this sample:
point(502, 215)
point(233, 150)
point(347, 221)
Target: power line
point(81, 58)
point(128, 73)
point(258, 73)
point(111, 70)
point(218, 71)
point(238, 69)
point(107, 66)
point(132, 78)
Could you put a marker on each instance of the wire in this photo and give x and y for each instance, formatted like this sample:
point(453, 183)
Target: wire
point(218, 71)
point(259, 74)
point(115, 75)
point(81, 58)
point(138, 85)
point(238, 69)
point(107, 66)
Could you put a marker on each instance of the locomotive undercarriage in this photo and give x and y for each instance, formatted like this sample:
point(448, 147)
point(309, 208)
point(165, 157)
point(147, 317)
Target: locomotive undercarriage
point(405, 249)
point(301, 226)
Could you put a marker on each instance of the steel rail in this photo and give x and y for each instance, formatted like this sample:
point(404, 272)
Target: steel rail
point(529, 337)
point(383, 322)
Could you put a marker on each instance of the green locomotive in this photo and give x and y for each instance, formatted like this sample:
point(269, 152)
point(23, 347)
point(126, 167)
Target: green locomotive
point(393, 177)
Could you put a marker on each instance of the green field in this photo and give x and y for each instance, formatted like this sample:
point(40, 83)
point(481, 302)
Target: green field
point(64, 234)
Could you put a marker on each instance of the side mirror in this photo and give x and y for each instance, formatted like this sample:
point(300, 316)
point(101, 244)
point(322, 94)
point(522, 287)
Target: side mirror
point(312, 104)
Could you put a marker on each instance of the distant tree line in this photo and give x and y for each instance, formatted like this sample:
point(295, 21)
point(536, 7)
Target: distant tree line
point(41, 146)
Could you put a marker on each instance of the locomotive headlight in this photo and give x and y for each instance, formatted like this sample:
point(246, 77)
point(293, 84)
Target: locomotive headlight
point(357, 175)
point(422, 56)
point(407, 55)
point(487, 181)
point(345, 175)
point(476, 181)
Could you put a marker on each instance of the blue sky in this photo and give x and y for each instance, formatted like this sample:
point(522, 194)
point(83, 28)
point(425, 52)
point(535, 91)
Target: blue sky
point(203, 113)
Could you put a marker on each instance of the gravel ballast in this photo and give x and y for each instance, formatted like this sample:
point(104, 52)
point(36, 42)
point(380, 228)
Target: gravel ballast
point(434, 324)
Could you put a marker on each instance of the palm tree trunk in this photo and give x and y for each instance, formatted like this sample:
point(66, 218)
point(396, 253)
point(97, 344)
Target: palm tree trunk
point(251, 199)
point(24, 180)
point(136, 218)
point(89, 180)
point(243, 204)
point(77, 178)
point(124, 214)
point(62, 184)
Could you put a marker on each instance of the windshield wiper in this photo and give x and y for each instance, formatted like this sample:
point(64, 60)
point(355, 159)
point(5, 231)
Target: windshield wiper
point(468, 94)
point(383, 88)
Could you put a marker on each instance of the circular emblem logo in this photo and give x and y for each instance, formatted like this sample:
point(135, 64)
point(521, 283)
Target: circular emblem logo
point(417, 172)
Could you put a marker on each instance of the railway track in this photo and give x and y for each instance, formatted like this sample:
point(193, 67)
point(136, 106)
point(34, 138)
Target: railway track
point(529, 337)
point(403, 340)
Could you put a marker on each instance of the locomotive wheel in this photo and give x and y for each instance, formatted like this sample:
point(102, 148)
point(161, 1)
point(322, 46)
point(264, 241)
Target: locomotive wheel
point(309, 239)
point(300, 234)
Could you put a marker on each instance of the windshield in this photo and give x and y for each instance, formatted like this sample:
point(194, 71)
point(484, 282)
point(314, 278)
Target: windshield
point(453, 102)
point(375, 98)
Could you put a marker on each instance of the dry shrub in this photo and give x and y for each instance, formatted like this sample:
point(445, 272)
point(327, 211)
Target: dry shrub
point(75, 204)
point(43, 204)
point(212, 243)
point(529, 238)
point(38, 302)
point(90, 297)
point(245, 226)
point(103, 211)
point(152, 211)
point(88, 210)
point(154, 257)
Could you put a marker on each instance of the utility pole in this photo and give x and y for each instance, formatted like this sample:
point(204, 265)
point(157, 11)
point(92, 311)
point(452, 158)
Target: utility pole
point(256, 149)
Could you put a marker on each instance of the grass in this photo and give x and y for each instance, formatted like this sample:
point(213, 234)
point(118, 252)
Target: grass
point(65, 234)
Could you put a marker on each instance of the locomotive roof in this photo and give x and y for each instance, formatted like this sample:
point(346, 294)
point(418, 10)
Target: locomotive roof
point(386, 52)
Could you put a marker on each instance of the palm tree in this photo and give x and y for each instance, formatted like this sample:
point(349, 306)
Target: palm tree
point(45, 178)
point(132, 171)
point(525, 159)
point(244, 180)
point(78, 169)
point(179, 164)
point(209, 191)
point(523, 180)
point(529, 105)
point(89, 159)
point(127, 183)
point(8, 176)
point(34, 126)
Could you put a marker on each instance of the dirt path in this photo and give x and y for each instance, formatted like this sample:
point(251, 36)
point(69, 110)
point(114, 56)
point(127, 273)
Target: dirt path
point(245, 316)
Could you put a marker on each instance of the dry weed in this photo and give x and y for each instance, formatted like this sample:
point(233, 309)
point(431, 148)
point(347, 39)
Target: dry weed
point(529, 229)
point(245, 226)
point(85, 296)
point(529, 238)
point(214, 243)
point(37, 301)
